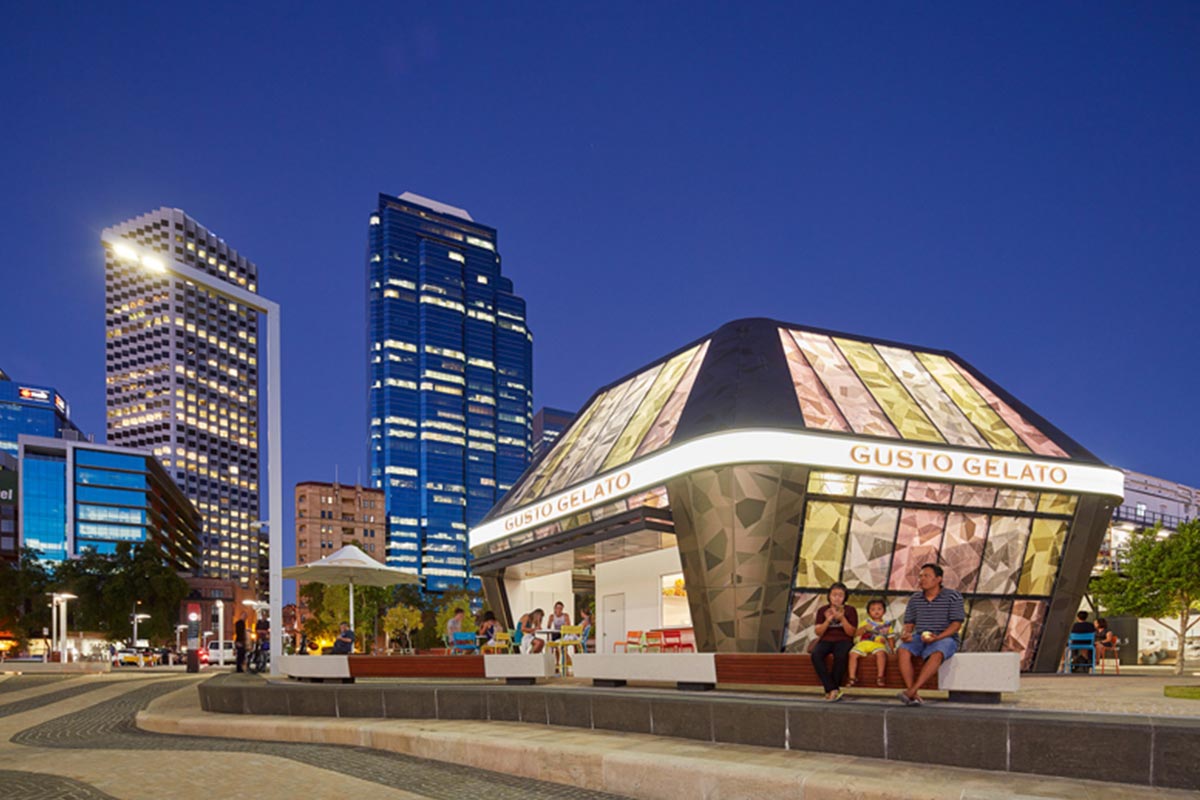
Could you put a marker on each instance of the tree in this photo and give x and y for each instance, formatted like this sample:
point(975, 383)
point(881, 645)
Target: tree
point(112, 588)
point(403, 620)
point(23, 602)
point(450, 602)
point(1160, 579)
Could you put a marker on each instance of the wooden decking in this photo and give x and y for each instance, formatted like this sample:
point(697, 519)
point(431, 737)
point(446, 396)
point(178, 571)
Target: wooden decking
point(796, 669)
point(417, 666)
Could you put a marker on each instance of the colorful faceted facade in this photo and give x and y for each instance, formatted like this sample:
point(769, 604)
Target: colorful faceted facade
point(782, 459)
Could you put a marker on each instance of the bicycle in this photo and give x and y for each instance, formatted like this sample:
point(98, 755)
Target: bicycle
point(259, 658)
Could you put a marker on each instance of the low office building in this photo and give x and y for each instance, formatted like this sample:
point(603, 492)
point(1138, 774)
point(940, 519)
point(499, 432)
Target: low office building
point(77, 496)
point(330, 516)
point(725, 486)
point(548, 425)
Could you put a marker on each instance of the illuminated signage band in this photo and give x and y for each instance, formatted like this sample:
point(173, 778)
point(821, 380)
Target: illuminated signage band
point(807, 449)
point(29, 393)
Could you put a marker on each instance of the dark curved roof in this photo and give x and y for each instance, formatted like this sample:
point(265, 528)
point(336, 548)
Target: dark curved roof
point(762, 373)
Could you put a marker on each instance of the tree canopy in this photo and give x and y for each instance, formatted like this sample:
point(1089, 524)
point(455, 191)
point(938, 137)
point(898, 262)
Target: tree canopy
point(1159, 579)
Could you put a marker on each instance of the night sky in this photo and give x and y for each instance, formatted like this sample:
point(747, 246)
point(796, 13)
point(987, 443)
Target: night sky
point(1015, 183)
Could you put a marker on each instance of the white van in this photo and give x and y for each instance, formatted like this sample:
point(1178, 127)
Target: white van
point(214, 652)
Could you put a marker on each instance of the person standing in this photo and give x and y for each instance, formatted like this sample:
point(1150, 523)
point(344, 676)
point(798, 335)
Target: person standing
point(239, 643)
point(836, 624)
point(937, 613)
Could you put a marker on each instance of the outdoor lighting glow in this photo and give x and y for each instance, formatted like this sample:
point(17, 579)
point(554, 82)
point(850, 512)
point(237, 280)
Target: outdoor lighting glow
point(153, 264)
point(805, 448)
point(125, 252)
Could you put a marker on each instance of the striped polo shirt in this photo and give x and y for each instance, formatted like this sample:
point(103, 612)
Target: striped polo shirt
point(934, 615)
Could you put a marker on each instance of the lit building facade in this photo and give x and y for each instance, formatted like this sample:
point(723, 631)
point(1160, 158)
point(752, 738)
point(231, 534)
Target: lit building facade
point(32, 410)
point(751, 469)
point(79, 496)
point(1149, 501)
point(548, 425)
point(8, 508)
point(450, 381)
point(182, 375)
point(330, 516)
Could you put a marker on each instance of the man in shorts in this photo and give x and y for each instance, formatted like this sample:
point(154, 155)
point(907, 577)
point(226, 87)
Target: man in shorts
point(935, 614)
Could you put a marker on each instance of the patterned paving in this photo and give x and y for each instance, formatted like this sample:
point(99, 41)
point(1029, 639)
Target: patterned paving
point(20, 683)
point(36, 786)
point(109, 725)
point(29, 704)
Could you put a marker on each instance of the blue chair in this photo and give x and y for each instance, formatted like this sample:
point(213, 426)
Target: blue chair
point(464, 644)
point(1080, 643)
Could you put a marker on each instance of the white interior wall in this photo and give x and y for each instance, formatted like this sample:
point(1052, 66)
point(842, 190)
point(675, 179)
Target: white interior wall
point(526, 594)
point(639, 579)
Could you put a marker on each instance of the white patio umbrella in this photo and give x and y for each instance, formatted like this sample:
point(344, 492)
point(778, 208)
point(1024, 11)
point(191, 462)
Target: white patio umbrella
point(351, 566)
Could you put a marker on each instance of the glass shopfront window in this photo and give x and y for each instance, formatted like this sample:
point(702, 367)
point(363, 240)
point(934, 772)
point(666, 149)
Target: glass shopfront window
point(44, 505)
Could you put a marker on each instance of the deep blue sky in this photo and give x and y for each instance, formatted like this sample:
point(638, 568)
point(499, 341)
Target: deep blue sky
point(1017, 183)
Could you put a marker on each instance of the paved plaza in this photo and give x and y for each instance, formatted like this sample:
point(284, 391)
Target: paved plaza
point(78, 737)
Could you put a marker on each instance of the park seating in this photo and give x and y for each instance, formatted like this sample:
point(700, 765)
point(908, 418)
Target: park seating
point(631, 643)
point(570, 638)
point(1080, 643)
point(501, 643)
point(980, 677)
point(672, 642)
point(464, 643)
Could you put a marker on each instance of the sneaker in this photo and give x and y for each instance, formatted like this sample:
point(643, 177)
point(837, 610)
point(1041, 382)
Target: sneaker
point(903, 698)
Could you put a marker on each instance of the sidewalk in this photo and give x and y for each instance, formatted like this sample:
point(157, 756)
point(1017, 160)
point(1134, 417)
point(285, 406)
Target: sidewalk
point(636, 765)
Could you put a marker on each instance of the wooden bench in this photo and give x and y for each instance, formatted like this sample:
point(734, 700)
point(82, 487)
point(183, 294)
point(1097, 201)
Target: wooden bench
point(796, 669)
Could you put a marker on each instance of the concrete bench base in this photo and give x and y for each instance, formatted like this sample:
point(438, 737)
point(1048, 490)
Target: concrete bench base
point(686, 670)
point(519, 669)
point(980, 677)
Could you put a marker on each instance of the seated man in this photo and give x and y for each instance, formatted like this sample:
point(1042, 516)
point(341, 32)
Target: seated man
point(344, 644)
point(1082, 626)
point(936, 613)
point(454, 625)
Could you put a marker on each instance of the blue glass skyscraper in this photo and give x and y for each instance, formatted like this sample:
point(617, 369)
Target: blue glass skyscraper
point(450, 377)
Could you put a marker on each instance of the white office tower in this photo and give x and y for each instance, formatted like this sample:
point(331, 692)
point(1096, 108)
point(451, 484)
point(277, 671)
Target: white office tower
point(182, 375)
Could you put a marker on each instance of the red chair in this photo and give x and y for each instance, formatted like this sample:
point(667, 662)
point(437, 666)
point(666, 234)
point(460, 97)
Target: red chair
point(672, 642)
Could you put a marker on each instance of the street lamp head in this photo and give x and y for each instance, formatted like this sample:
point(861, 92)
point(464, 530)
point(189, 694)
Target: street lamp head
point(181, 627)
point(68, 596)
point(140, 617)
point(193, 617)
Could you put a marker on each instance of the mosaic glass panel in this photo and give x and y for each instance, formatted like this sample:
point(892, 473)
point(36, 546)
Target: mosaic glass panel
point(652, 404)
point(962, 550)
point(816, 406)
point(664, 426)
point(857, 405)
point(869, 547)
point(928, 492)
point(1025, 629)
point(800, 620)
point(618, 418)
point(1042, 555)
point(893, 398)
point(1002, 555)
point(917, 542)
point(1051, 503)
point(977, 496)
point(879, 488)
point(838, 483)
point(653, 498)
point(1037, 441)
point(982, 416)
point(986, 625)
point(940, 409)
point(1016, 500)
point(607, 405)
point(822, 543)
point(549, 465)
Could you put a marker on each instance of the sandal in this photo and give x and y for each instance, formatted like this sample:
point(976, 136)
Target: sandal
point(851, 682)
point(880, 682)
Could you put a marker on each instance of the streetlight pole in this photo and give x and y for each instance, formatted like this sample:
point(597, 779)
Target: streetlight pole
point(155, 262)
point(221, 633)
point(63, 597)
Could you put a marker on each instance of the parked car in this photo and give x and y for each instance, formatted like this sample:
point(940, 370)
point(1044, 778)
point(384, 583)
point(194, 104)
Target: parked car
point(127, 657)
point(214, 650)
